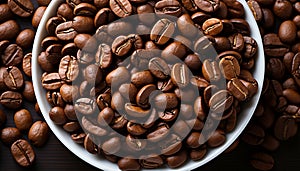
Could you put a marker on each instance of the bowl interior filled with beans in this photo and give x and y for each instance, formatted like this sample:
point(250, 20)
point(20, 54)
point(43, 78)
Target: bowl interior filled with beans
point(136, 84)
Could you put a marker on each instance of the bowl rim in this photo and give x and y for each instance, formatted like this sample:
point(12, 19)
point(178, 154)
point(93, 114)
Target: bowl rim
point(99, 162)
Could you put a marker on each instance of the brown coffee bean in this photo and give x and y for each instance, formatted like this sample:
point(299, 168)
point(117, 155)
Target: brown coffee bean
point(66, 11)
point(221, 101)
point(38, 133)
point(211, 70)
point(11, 99)
point(9, 30)
point(112, 145)
point(208, 6)
point(92, 127)
point(85, 9)
point(238, 89)
point(180, 75)
point(2, 118)
point(270, 143)
point(52, 81)
point(283, 9)
point(85, 106)
point(105, 117)
point(193, 61)
point(23, 120)
point(159, 68)
point(69, 92)
point(168, 7)
point(158, 133)
point(128, 163)
point(122, 8)
point(121, 45)
point(177, 160)
point(65, 31)
point(57, 115)
point(22, 8)
point(103, 16)
point(117, 76)
point(174, 51)
point(12, 55)
point(26, 64)
point(256, 10)
point(22, 153)
point(262, 161)
point(142, 78)
point(253, 135)
point(151, 161)
point(9, 135)
point(275, 68)
point(162, 31)
point(68, 68)
point(287, 32)
point(92, 73)
point(135, 144)
point(89, 144)
point(285, 127)
point(13, 78)
point(25, 38)
point(5, 13)
point(292, 96)
point(165, 101)
point(83, 24)
point(142, 97)
point(52, 24)
point(212, 26)
point(71, 127)
point(229, 67)
point(198, 154)
point(37, 16)
point(70, 112)
point(216, 139)
point(28, 91)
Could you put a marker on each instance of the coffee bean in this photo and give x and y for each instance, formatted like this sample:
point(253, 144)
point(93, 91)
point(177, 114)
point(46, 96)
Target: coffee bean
point(81, 24)
point(52, 24)
point(159, 133)
point(151, 161)
point(229, 67)
point(238, 89)
point(13, 78)
point(135, 144)
point(128, 164)
point(212, 26)
point(221, 101)
point(85, 9)
point(216, 139)
point(168, 7)
point(23, 120)
point(256, 10)
point(285, 127)
point(92, 128)
point(162, 31)
point(254, 135)
point(165, 101)
point(9, 30)
point(5, 13)
point(112, 145)
point(287, 32)
point(237, 42)
point(122, 8)
point(65, 31)
point(52, 81)
point(174, 51)
point(22, 8)
point(142, 97)
point(211, 70)
point(142, 78)
point(38, 133)
point(9, 135)
point(85, 106)
point(262, 161)
point(66, 11)
point(208, 6)
point(283, 9)
point(89, 144)
point(159, 68)
point(11, 99)
point(12, 55)
point(37, 16)
point(68, 68)
point(23, 153)
point(105, 117)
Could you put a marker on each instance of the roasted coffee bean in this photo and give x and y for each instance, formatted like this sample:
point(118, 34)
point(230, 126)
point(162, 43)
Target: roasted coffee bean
point(65, 31)
point(193, 61)
point(237, 42)
point(71, 127)
point(275, 69)
point(13, 78)
point(256, 10)
point(57, 115)
point(238, 89)
point(78, 138)
point(142, 78)
point(121, 45)
point(229, 67)
point(221, 101)
point(283, 9)
point(145, 15)
point(128, 163)
point(25, 38)
point(208, 6)
point(26, 64)
point(273, 46)
point(55, 99)
point(9, 135)
point(53, 53)
point(270, 143)
point(136, 111)
point(69, 49)
point(5, 13)
point(174, 51)
point(85, 9)
point(23, 153)
point(68, 68)
point(165, 101)
point(38, 133)
point(52, 81)
point(37, 16)
point(168, 7)
point(11, 99)
point(222, 44)
point(285, 127)
point(82, 24)
point(52, 24)
point(253, 135)
point(287, 32)
point(9, 30)
point(262, 161)
point(23, 120)
point(117, 77)
point(85, 106)
point(103, 16)
point(171, 145)
point(93, 74)
point(122, 8)
point(66, 11)
point(250, 47)
point(70, 112)
point(143, 95)
point(159, 68)
point(216, 139)
point(180, 75)
point(89, 144)
point(292, 96)
point(135, 144)
point(85, 42)
point(105, 117)
point(159, 133)
point(12, 55)
point(92, 128)
point(212, 26)
point(117, 102)
point(211, 70)
point(135, 129)
point(198, 154)
point(22, 8)
point(162, 31)
point(69, 92)
point(112, 145)
point(151, 161)
point(177, 159)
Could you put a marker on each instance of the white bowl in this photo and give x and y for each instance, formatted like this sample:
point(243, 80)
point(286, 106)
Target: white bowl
point(243, 118)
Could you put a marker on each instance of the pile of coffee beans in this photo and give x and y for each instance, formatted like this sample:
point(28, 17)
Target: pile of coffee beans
point(158, 92)
point(277, 115)
point(23, 129)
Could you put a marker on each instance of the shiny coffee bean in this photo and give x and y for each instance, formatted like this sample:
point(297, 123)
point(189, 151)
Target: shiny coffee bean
point(22, 8)
point(162, 31)
point(9, 135)
point(23, 120)
point(38, 133)
point(23, 153)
